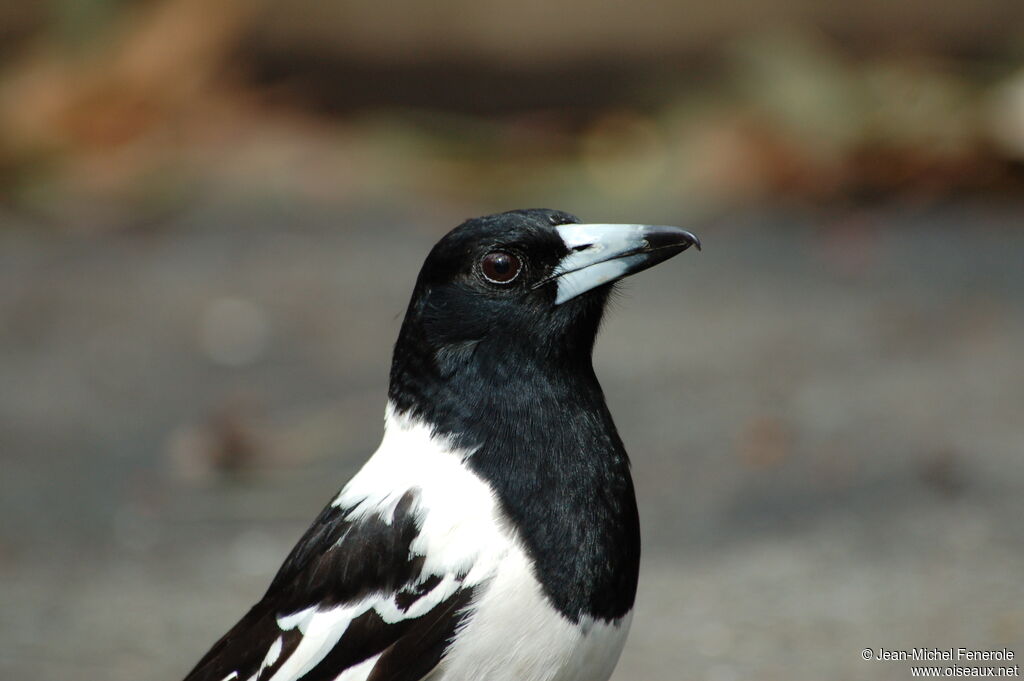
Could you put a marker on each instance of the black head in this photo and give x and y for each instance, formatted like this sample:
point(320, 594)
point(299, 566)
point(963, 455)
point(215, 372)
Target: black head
point(526, 286)
point(484, 283)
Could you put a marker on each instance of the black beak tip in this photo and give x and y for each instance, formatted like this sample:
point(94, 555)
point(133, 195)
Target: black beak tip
point(671, 237)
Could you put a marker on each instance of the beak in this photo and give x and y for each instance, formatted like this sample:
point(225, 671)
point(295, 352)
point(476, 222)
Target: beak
point(601, 254)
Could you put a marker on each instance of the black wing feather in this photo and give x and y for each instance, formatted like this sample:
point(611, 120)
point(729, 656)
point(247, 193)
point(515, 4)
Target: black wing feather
point(341, 560)
point(414, 655)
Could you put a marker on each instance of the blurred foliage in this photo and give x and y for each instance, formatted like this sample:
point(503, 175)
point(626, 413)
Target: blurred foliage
point(83, 22)
point(137, 105)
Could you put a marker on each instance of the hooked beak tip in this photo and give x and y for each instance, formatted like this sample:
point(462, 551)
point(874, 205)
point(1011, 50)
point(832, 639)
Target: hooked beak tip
point(658, 238)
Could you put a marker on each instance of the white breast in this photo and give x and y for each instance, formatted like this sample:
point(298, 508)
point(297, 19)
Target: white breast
point(513, 634)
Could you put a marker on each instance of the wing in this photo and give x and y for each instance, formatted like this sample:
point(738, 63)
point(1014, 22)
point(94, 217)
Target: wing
point(352, 602)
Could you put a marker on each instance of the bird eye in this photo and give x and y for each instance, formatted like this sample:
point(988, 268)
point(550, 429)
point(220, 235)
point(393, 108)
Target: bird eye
point(499, 267)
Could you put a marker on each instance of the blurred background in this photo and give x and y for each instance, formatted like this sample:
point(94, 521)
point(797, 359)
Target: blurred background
point(212, 213)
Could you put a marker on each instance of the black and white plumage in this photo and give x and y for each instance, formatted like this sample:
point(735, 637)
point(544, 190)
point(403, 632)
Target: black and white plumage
point(494, 535)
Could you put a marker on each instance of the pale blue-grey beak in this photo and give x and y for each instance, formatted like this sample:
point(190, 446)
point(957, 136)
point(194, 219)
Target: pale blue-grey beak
point(601, 254)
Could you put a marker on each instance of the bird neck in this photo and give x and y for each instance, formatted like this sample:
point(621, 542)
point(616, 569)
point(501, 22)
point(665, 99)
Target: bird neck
point(474, 391)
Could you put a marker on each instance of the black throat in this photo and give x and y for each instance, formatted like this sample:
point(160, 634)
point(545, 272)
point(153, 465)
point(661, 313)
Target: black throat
point(534, 414)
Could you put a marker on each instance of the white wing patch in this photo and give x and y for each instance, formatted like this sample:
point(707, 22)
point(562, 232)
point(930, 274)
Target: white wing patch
point(359, 672)
point(297, 620)
point(322, 628)
point(390, 612)
point(273, 653)
point(321, 631)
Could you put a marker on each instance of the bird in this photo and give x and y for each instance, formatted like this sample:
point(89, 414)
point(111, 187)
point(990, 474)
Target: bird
point(494, 534)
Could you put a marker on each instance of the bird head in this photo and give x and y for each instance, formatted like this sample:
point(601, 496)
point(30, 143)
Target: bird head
point(535, 279)
point(503, 294)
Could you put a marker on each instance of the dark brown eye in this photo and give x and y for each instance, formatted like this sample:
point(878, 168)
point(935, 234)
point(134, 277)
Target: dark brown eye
point(500, 267)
